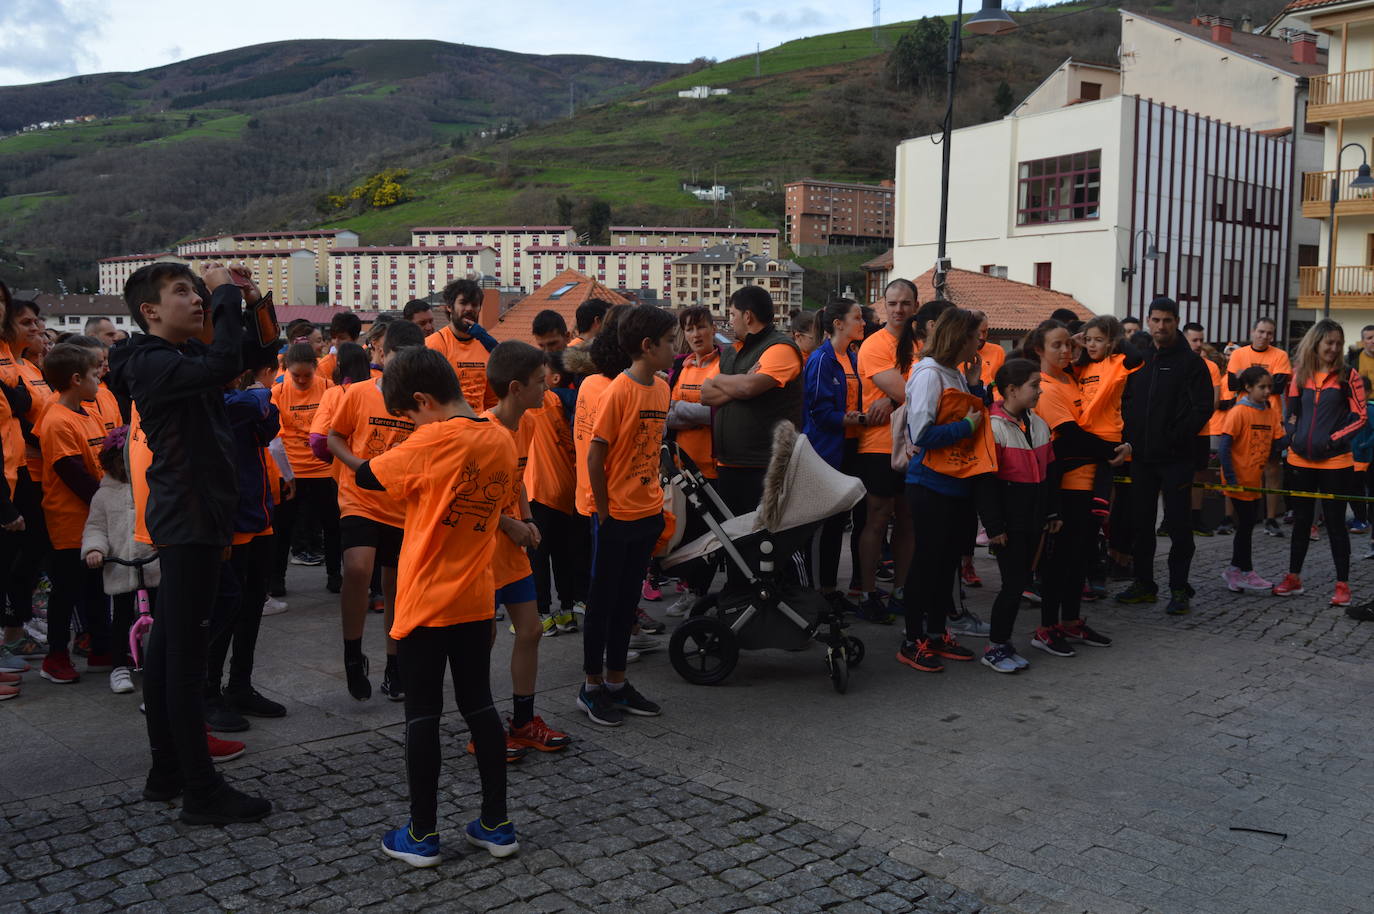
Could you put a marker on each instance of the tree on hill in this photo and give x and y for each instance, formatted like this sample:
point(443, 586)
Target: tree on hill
point(1003, 98)
point(917, 63)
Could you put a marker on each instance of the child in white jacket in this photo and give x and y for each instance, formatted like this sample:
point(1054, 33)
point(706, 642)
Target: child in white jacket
point(110, 531)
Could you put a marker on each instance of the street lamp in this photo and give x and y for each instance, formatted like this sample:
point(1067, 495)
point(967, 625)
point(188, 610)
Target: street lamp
point(990, 20)
point(1151, 254)
point(1362, 181)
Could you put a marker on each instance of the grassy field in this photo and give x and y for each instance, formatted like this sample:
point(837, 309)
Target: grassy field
point(20, 205)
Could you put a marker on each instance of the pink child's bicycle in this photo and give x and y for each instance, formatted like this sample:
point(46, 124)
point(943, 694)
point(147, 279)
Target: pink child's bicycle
point(139, 630)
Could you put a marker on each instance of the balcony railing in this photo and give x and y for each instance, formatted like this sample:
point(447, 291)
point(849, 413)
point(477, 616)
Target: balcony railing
point(1353, 285)
point(1341, 88)
point(1316, 188)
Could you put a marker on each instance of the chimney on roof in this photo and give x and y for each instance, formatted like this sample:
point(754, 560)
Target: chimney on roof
point(1246, 23)
point(1305, 48)
point(1221, 30)
point(1196, 21)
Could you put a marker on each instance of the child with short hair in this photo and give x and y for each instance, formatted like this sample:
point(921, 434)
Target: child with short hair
point(623, 471)
point(176, 383)
point(1107, 359)
point(70, 437)
point(550, 484)
point(1251, 430)
point(452, 475)
point(516, 372)
point(109, 532)
point(297, 396)
point(361, 427)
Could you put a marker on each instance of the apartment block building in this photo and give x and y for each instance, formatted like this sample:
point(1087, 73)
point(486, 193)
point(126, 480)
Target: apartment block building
point(709, 277)
point(318, 242)
point(508, 242)
point(825, 213)
point(757, 240)
point(288, 274)
point(113, 272)
point(613, 266)
point(385, 278)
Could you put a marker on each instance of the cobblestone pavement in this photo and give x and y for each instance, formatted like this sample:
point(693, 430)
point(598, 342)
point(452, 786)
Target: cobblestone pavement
point(1108, 782)
point(599, 832)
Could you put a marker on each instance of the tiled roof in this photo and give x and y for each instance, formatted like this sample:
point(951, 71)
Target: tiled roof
point(465, 229)
point(302, 234)
point(414, 249)
point(882, 262)
point(128, 257)
point(1273, 52)
point(1309, 4)
point(689, 230)
point(564, 293)
point(80, 305)
point(316, 314)
point(1010, 306)
point(245, 253)
point(887, 188)
point(721, 253)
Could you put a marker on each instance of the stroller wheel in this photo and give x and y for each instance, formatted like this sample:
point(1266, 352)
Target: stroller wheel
point(703, 650)
point(839, 668)
point(853, 651)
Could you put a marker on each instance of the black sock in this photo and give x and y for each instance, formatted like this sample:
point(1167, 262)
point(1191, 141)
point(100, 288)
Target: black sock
point(524, 710)
point(353, 648)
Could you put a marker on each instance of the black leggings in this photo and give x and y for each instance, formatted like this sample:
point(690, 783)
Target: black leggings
point(1336, 482)
point(621, 550)
point(1014, 562)
point(827, 564)
point(238, 615)
point(1247, 515)
point(321, 497)
point(22, 554)
point(554, 560)
point(1363, 485)
point(174, 671)
point(466, 650)
point(939, 522)
point(77, 589)
point(1067, 556)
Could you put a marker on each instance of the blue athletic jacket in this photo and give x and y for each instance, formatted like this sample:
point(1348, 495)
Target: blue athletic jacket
point(254, 421)
point(825, 398)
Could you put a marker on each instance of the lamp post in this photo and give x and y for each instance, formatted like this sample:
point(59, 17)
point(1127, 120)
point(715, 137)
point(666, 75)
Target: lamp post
point(1151, 254)
point(1362, 180)
point(990, 20)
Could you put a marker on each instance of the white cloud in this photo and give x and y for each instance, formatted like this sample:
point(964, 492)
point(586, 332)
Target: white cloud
point(48, 38)
point(784, 20)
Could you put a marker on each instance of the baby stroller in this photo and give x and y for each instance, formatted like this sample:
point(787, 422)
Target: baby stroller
point(766, 610)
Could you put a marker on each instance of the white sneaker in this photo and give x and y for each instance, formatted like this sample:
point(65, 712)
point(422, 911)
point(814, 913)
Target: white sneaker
point(272, 607)
point(681, 605)
point(38, 628)
point(632, 656)
point(121, 680)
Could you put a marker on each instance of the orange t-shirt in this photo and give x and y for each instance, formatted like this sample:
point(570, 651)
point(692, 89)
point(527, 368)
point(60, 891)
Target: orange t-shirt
point(1253, 433)
point(106, 407)
point(852, 386)
point(1101, 385)
point(1215, 424)
point(451, 479)
point(697, 441)
point(469, 359)
point(360, 416)
point(1060, 402)
point(994, 357)
point(324, 368)
point(1339, 461)
point(298, 408)
point(68, 434)
point(1274, 360)
point(321, 424)
point(584, 420)
point(549, 476)
point(140, 459)
point(510, 563)
point(779, 362)
point(877, 354)
point(43, 397)
point(631, 420)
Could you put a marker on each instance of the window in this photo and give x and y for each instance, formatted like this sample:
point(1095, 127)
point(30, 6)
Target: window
point(1042, 275)
point(1059, 189)
point(1189, 277)
point(1090, 92)
point(987, 268)
point(1244, 203)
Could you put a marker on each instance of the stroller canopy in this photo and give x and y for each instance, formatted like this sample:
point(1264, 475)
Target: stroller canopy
point(800, 487)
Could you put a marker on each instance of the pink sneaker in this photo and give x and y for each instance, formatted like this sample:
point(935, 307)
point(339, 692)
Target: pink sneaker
point(651, 591)
point(1232, 577)
point(982, 539)
point(1250, 580)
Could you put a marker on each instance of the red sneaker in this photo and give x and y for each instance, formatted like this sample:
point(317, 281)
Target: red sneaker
point(537, 735)
point(969, 576)
point(57, 667)
point(514, 751)
point(10, 678)
point(8, 691)
point(222, 750)
point(1342, 597)
point(99, 663)
point(650, 591)
point(82, 645)
point(1290, 586)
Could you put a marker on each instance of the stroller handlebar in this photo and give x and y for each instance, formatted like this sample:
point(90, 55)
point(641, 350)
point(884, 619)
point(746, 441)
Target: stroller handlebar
point(131, 563)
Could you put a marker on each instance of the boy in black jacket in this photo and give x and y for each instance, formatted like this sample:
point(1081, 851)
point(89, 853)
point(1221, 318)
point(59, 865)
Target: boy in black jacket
point(189, 494)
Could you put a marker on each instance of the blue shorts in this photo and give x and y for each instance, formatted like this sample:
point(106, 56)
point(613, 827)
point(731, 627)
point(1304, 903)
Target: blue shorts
point(521, 591)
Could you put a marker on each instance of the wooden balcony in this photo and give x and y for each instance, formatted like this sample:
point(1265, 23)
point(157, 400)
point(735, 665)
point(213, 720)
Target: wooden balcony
point(1316, 195)
point(1353, 288)
point(1337, 95)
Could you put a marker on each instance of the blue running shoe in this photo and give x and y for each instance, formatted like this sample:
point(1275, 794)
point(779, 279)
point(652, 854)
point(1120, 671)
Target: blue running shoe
point(402, 845)
point(499, 841)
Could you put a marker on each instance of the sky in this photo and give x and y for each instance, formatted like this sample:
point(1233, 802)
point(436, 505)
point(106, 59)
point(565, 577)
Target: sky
point(41, 40)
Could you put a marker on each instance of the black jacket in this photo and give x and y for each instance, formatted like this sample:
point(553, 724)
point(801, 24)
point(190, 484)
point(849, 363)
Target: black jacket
point(1167, 403)
point(179, 394)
